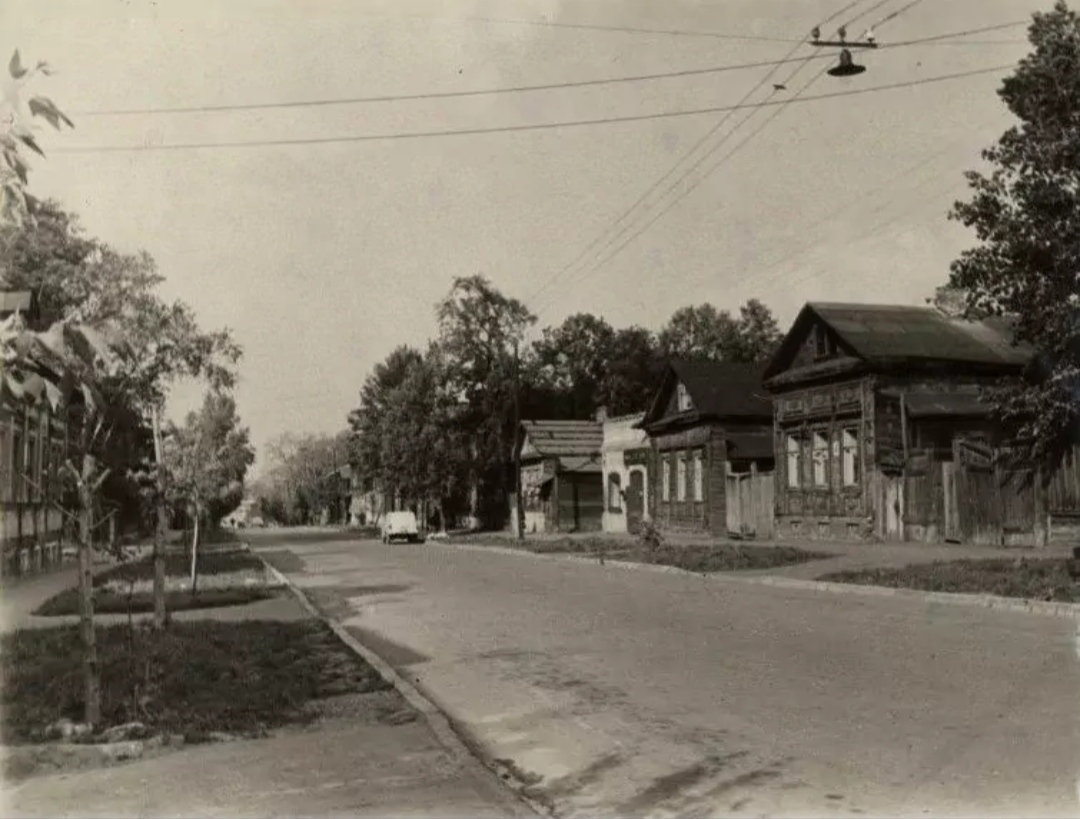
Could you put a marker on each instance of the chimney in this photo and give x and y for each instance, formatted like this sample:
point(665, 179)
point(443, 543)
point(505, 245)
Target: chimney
point(601, 415)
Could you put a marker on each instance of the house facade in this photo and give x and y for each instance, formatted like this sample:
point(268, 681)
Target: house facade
point(879, 421)
point(561, 476)
point(33, 448)
point(708, 421)
point(625, 459)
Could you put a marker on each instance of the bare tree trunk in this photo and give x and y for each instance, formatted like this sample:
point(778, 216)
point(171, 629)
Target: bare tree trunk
point(195, 550)
point(91, 672)
point(161, 529)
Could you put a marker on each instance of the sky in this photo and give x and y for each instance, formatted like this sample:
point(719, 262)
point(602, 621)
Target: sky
point(323, 256)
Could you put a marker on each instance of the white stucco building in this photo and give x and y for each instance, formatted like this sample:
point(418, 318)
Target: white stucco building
point(625, 465)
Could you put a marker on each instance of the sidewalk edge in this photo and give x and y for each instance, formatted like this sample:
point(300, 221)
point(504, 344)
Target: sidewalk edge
point(989, 601)
point(463, 748)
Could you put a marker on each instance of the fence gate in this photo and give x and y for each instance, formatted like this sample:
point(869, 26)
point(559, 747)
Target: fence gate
point(750, 504)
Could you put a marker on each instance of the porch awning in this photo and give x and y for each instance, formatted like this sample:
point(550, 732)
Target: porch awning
point(751, 445)
point(580, 463)
point(945, 404)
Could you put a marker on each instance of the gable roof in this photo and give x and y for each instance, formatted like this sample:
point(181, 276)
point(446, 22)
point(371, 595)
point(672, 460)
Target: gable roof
point(553, 439)
point(882, 333)
point(12, 300)
point(718, 389)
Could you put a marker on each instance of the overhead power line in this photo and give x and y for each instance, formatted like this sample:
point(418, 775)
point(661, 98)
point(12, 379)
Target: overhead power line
point(518, 89)
point(692, 150)
point(541, 126)
point(715, 35)
point(708, 173)
point(738, 147)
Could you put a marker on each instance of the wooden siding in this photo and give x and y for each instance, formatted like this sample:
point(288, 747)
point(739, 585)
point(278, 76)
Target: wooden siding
point(750, 502)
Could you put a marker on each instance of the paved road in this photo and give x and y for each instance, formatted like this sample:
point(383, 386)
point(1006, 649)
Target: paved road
point(640, 693)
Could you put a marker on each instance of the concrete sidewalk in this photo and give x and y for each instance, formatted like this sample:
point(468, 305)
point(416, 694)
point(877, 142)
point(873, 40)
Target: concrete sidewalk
point(340, 768)
point(353, 761)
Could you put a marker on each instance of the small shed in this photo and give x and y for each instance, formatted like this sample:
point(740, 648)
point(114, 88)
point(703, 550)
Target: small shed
point(561, 476)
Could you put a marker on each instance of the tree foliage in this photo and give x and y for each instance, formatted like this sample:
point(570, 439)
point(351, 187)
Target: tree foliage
point(296, 485)
point(208, 458)
point(1025, 212)
point(19, 111)
point(704, 332)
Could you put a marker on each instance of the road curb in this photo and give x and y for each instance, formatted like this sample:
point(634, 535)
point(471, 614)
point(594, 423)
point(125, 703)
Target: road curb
point(463, 749)
point(988, 601)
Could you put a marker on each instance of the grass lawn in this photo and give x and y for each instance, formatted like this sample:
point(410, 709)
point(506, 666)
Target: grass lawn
point(110, 602)
point(191, 678)
point(563, 545)
point(110, 596)
point(726, 557)
point(178, 564)
point(1046, 579)
point(698, 557)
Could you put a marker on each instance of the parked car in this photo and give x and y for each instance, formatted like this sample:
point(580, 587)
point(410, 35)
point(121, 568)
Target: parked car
point(401, 526)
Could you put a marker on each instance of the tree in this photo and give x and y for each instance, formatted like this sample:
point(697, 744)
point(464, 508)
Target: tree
point(479, 328)
point(207, 459)
point(295, 484)
point(85, 281)
point(705, 332)
point(758, 334)
point(65, 366)
point(573, 359)
point(632, 372)
point(1026, 265)
point(18, 111)
point(698, 332)
point(368, 422)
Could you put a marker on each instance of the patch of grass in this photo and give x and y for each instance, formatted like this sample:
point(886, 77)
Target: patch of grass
point(1048, 579)
point(190, 678)
point(594, 544)
point(726, 557)
point(110, 602)
point(178, 564)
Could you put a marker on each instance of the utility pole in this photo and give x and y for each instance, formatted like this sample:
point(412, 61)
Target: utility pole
point(518, 501)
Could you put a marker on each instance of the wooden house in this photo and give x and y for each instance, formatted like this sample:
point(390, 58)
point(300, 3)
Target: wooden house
point(711, 454)
point(880, 429)
point(625, 468)
point(32, 450)
point(561, 478)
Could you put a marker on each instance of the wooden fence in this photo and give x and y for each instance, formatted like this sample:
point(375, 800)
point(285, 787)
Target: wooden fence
point(977, 496)
point(750, 501)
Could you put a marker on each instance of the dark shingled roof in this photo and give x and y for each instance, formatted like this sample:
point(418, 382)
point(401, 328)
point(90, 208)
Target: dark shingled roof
point(724, 389)
point(561, 438)
point(887, 331)
point(12, 300)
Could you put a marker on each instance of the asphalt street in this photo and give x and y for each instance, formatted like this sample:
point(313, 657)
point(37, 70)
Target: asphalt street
point(618, 692)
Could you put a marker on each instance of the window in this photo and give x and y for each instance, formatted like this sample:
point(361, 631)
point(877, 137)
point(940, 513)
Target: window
point(680, 477)
point(794, 461)
point(18, 458)
point(824, 345)
point(821, 459)
point(685, 402)
point(33, 471)
point(57, 475)
point(614, 492)
point(699, 477)
point(665, 478)
point(850, 457)
point(6, 479)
